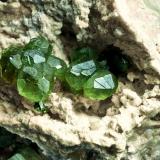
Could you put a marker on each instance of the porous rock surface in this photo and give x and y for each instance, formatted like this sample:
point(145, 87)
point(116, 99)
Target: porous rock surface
point(76, 127)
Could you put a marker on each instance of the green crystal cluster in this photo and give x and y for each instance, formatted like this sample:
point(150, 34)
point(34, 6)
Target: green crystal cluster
point(33, 70)
point(89, 76)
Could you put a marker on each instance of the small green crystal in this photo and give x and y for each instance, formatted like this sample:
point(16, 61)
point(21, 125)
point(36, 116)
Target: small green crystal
point(101, 85)
point(79, 73)
point(39, 44)
point(59, 67)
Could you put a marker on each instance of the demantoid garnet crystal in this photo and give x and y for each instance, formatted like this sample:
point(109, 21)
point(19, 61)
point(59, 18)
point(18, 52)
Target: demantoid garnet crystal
point(78, 74)
point(101, 85)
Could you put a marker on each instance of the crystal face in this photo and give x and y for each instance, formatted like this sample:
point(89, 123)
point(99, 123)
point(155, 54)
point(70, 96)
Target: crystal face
point(101, 85)
point(105, 82)
point(86, 68)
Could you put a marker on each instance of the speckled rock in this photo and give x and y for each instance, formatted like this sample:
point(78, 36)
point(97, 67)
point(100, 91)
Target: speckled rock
point(74, 124)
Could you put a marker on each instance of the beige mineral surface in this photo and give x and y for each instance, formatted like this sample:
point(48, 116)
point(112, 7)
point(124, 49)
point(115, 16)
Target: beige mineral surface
point(120, 127)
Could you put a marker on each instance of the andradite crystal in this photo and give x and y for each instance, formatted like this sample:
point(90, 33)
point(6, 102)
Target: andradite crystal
point(78, 74)
point(35, 82)
point(82, 66)
point(101, 85)
point(58, 66)
point(36, 77)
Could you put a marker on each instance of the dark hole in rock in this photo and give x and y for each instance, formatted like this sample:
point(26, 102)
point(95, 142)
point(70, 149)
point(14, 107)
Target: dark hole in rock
point(156, 117)
point(68, 31)
point(117, 62)
point(124, 158)
point(112, 150)
point(68, 37)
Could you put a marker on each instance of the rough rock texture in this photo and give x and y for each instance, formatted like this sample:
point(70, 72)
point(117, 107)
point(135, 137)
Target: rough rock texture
point(76, 127)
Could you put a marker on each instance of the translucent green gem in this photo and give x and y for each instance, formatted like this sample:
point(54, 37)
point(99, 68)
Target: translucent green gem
point(35, 81)
point(29, 89)
point(16, 61)
point(101, 85)
point(58, 66)
point(36, 76)
point(75, 82)
point(79, 73)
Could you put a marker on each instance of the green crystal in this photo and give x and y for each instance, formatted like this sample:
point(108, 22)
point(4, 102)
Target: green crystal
point(79, 73)
point(36, 77)
point(75, 82)
point(101, 85)
point(83, 54)
point(59, 67)
point(30, 90)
